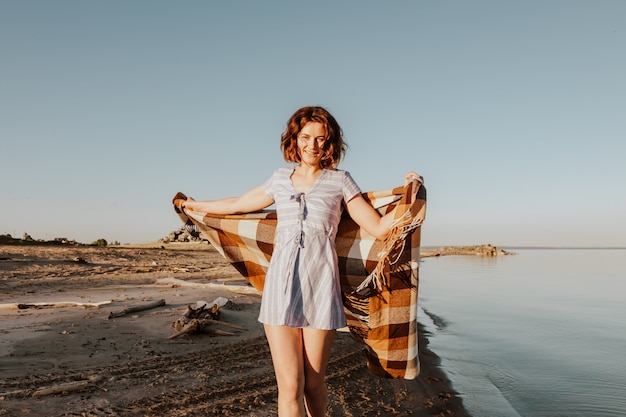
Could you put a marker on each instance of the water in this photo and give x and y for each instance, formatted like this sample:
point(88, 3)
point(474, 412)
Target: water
point(541, 333)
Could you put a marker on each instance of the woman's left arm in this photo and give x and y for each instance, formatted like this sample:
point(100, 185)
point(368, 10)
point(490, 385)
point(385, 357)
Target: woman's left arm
point(368, 218)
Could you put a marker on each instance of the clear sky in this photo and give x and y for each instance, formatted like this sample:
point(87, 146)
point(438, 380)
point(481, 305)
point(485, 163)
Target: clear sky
point(513, 111)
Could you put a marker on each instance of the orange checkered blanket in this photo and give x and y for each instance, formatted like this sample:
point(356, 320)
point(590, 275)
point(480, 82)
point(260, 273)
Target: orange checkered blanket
point(379, 279)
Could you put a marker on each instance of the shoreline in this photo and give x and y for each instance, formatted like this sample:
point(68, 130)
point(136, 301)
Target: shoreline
point(128, 366)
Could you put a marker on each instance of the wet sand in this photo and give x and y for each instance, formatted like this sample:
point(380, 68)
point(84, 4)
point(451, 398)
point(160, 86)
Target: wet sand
point(127, 366)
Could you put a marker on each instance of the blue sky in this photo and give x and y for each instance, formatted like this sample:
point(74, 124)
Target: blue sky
point(514, 112)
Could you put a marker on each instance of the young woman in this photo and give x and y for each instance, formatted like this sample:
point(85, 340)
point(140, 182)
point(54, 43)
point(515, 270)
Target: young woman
point(302, 305)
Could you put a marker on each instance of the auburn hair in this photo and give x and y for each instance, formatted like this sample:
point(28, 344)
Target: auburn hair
point(334, 145)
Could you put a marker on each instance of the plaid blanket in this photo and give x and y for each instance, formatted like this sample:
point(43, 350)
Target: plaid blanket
point(379, 279)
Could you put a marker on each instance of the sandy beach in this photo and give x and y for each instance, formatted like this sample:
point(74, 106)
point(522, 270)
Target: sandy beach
point(63, 353)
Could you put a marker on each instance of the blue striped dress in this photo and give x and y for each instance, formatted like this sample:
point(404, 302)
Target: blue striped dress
point(302, 287)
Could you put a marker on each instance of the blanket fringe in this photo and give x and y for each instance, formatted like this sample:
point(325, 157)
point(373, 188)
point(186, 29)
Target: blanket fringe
point(390, 254)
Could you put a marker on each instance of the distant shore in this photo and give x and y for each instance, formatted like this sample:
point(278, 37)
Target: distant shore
point(476, 250)
point(480, 250)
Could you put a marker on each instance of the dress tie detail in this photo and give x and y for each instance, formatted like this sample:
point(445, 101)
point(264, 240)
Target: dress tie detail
point(302, 213)
point(298, 239)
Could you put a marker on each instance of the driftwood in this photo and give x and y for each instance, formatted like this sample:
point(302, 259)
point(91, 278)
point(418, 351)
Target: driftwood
point(241, 289)
point(197, 320)
point(57, 389)
point(24, 306)
point(13, 393)
point(135, 309)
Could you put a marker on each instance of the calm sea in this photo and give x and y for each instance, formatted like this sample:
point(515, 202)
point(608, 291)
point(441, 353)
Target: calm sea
point(541, 333)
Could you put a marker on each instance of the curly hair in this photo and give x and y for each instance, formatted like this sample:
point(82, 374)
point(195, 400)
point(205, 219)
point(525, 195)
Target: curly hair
point(334, 145)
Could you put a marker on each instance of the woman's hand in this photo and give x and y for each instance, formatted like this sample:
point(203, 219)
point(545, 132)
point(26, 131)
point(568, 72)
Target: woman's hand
point(185, 203)
point(413, 176)
point(369, 219)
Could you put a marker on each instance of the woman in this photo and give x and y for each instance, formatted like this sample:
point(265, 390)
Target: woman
point(302, 305)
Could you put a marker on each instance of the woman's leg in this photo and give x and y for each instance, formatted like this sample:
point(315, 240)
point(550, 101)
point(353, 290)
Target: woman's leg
point(286, 345)
point(317, 345)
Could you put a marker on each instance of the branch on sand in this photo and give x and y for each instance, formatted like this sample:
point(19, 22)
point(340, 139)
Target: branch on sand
point(241, 289)
point(135, 309)
point(68, 386)
point(57, 389)
point(24, 306)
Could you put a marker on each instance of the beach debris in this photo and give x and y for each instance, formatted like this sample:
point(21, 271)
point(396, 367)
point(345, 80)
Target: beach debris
point(62, 388)
point(135, 309)
point(198, 319)
point(58, 389)
point(241, 289)
point(24, 306)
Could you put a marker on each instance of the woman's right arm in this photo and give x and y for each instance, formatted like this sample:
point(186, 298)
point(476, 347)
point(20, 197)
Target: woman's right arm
point(253, 200)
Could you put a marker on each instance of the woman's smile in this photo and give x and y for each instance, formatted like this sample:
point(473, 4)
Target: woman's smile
point(311, 141)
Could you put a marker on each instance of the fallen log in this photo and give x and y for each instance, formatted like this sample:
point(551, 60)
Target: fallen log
point(190, 327)
point(200, 326)
point(57, 389)
point(18, 392)
point(241, 289)
point(135, 309)
point(197, 320)
point(206, 322)
point(24, 306)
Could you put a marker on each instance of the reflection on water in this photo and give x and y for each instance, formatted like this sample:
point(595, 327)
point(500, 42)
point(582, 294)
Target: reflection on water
point(541, 333)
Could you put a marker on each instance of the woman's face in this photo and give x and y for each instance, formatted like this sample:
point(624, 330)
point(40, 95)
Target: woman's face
point(311, 141)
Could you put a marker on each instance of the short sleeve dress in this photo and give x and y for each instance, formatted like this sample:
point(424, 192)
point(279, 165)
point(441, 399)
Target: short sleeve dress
point(302, 287)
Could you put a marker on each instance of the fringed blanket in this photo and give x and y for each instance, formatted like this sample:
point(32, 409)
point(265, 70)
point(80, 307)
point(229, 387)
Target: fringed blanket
point(379, 279)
